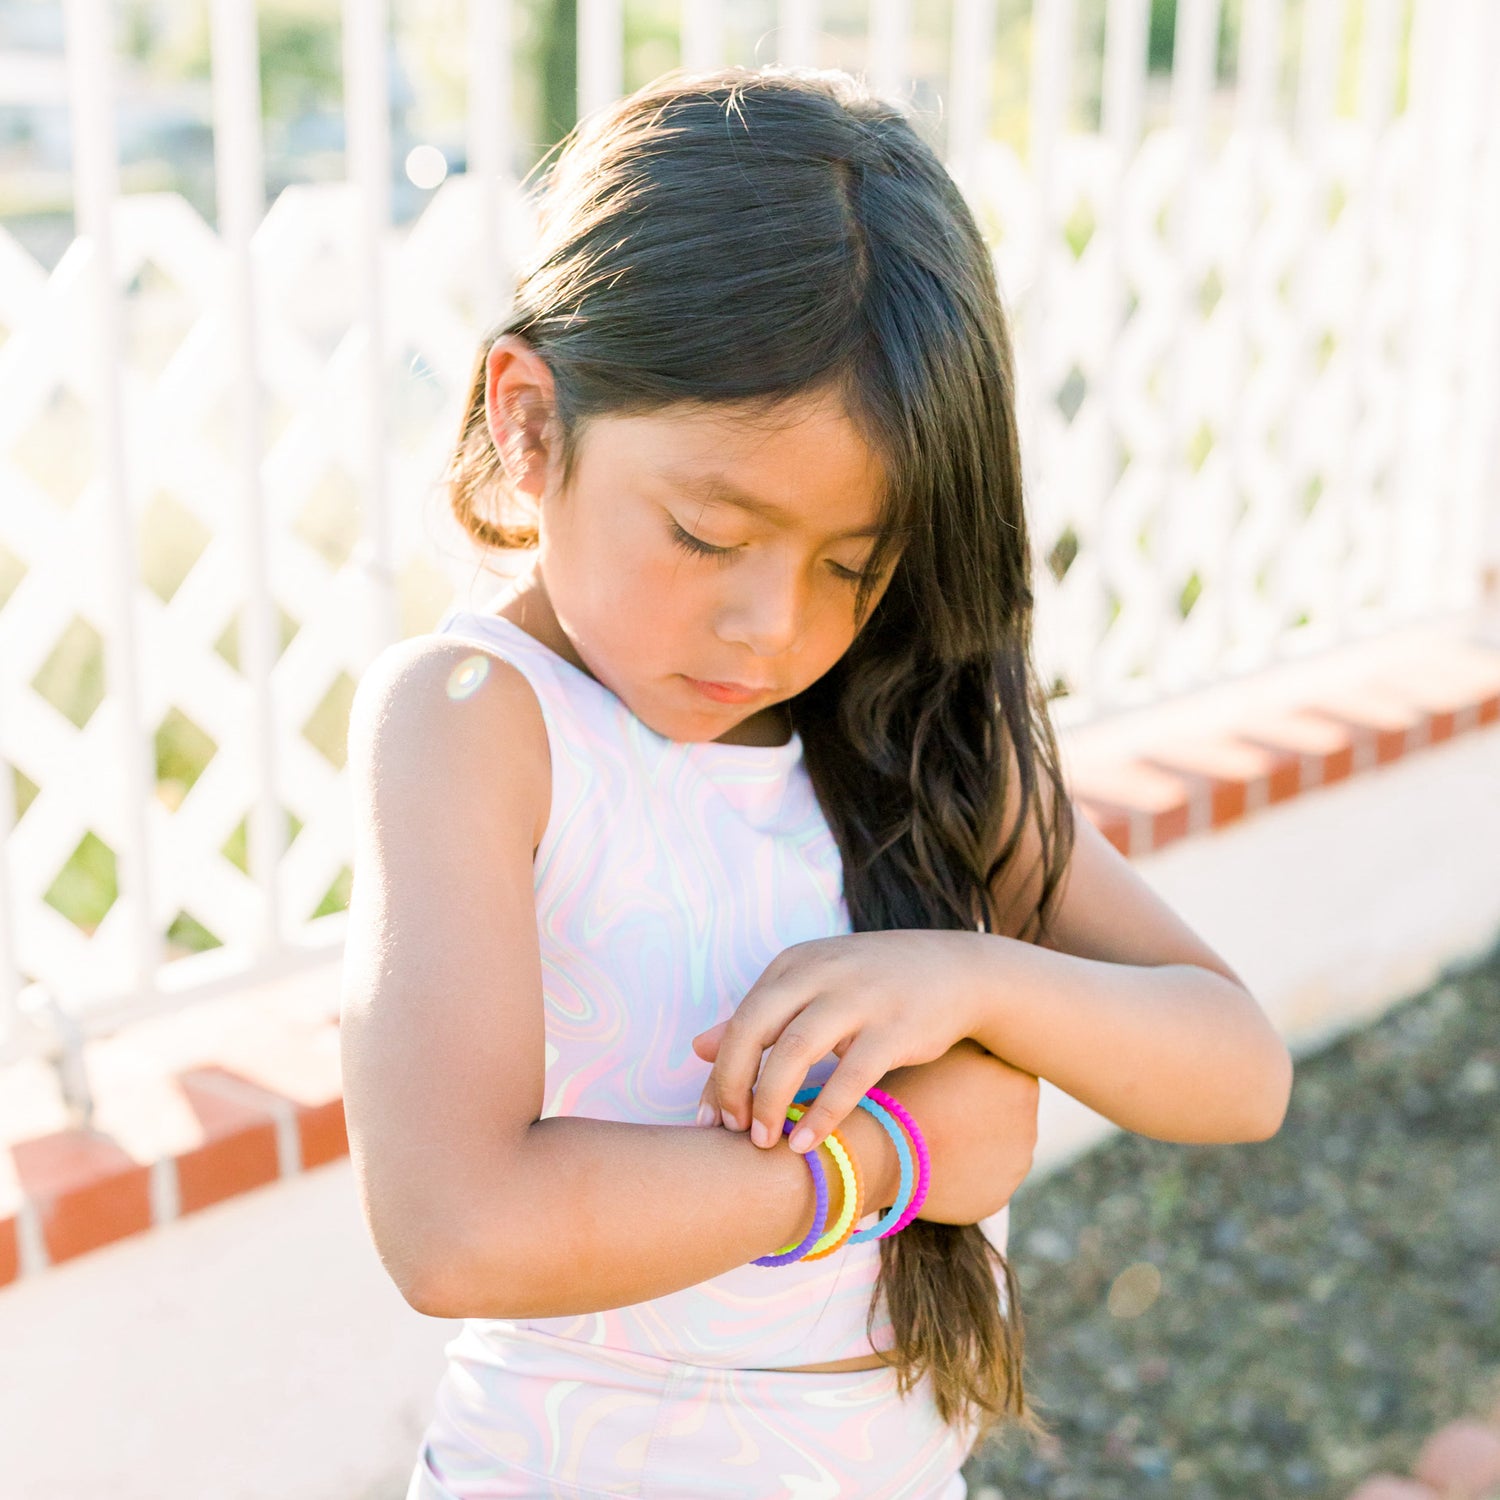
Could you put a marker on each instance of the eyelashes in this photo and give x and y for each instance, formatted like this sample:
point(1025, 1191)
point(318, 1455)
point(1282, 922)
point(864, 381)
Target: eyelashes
point(699, 548)
point(690, 543)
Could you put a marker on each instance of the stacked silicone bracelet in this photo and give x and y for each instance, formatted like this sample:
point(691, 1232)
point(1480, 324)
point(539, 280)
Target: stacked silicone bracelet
point(913, 1190)
point(854, 1193)
point(897, 1122)
point(924, 1162)
point(820, 1213)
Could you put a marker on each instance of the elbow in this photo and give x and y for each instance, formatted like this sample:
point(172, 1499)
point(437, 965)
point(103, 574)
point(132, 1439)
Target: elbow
point(1276, 1097)
point(425, 1282)
point(422, 1269)
point(406, 1257)
point(462, 1285)
point(486, 1267)
point(1014, 1165)
point(1016, 1169)
point(435, 1292)
point(1270, 1093)
point(991, 1194)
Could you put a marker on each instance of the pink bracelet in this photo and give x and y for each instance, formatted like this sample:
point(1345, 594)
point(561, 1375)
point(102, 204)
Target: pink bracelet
point(924, 1162)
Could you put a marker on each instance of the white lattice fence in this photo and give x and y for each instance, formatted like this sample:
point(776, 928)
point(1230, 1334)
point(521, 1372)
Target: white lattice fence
point(1221, 457)
point(1258, 371)
point(177, 385)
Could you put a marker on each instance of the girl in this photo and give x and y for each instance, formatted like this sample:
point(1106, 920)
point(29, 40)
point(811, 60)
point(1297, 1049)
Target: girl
point(752, 757)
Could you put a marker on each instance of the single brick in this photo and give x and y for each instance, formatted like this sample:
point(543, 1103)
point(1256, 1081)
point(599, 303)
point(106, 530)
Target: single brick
point(324, 1134)
point(1459, 689)
point(1396, 725)
point(1284, 779)
point(1461, 1461)
point(1238, 774)
point(86, 1190)
point(300, 1066)
point(239, 1149)
point(10, 1251)
point(1325, 749)
point(1157, 803)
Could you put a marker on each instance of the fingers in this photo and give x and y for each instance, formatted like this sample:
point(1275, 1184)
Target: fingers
point(768, 1006)
point(783, 1073)
point(734, 1071)
point(863, 1066)
point(706, 1043)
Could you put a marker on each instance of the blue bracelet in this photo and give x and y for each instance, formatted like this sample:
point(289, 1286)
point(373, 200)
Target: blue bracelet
point(879, 1228)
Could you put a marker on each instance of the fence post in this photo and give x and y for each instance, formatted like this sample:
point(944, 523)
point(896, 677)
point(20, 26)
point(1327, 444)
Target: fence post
point(240, 178)
point(601, 54)
point(88, 36)
point(367, 116)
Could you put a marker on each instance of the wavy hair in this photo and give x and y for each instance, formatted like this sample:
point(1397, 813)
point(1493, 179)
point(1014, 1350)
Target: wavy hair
point(750, 236)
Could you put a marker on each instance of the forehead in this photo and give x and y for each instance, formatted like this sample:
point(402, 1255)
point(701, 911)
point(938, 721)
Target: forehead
point(800, 464)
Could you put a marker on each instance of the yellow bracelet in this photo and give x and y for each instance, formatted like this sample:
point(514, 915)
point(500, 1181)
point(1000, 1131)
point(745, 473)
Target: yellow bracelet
point(853, 1192)
point(852, 1213)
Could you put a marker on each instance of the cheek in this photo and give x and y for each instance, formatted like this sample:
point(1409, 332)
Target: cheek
point(665, 592)
point(615, 548)
point(616, 585)
point(838, 638)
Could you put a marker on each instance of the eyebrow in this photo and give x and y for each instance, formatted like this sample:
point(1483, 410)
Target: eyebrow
point(718, 488)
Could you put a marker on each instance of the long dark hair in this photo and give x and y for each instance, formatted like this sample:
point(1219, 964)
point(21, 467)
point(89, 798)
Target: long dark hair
point(750, 236)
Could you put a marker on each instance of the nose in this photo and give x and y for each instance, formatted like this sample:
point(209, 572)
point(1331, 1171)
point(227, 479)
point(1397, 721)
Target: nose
point(766, 611)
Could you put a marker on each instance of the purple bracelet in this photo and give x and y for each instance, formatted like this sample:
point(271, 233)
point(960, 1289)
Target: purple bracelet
point(820, 1213)
point(886, 1223)
point(924, 1163)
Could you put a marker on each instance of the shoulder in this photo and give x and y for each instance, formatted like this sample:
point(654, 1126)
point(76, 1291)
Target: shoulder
point(434, 712)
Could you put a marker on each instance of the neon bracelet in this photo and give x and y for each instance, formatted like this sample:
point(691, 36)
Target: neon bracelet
point(886, 1224)
point(820, 1213)
point(924, 1169)
point(854, 1193)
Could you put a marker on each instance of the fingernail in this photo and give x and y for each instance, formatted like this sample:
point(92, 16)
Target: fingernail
point(802, 1138)
point(760, 1133)
point(705, 1113)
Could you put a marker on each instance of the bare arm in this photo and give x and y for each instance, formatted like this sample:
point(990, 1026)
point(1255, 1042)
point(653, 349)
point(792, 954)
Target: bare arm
point(476, 1205)
point(619, 1213)
point(1122, 1005)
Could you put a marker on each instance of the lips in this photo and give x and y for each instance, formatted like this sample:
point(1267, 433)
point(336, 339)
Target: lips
point(726, 692)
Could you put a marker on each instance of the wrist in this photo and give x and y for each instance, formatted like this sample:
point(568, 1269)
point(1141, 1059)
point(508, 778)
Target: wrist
point(879, 1170)
point(975, 983)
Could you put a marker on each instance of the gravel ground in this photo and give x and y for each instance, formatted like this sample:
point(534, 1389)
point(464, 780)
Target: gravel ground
point(1283, 1318)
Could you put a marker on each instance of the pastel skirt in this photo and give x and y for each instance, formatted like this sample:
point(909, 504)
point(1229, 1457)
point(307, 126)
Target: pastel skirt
point(555, 1418)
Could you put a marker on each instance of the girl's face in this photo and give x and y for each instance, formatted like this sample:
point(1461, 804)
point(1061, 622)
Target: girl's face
point(694, 546)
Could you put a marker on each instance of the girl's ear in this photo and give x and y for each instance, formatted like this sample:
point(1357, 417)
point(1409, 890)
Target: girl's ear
point(519, 409)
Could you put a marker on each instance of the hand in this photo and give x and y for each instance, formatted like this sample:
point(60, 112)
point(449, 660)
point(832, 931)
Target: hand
point(877, 1000)
point(979, 1118)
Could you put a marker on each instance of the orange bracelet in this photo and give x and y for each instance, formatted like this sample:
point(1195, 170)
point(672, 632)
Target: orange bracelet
point(859, 1203)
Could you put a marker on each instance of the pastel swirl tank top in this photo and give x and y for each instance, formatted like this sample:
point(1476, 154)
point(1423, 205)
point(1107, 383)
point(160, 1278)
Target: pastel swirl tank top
point(669, 875)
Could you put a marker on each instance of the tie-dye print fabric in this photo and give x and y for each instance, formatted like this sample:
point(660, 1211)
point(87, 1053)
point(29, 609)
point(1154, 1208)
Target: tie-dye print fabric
point(554, 1420)
point(668, 877)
